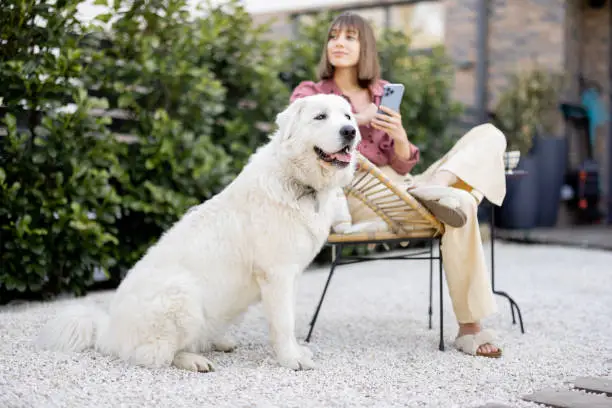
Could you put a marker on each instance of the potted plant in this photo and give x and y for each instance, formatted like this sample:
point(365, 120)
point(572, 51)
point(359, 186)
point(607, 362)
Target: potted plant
point(528, 114)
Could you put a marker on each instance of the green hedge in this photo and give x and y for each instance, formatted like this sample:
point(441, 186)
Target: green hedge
point(57, 203)
point(81, 191)
point(183, 81)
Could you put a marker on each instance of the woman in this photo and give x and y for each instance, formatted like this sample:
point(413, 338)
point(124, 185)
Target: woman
point(451, 188)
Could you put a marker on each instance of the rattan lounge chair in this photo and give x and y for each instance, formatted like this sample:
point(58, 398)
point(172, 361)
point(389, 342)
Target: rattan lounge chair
point(406, 220)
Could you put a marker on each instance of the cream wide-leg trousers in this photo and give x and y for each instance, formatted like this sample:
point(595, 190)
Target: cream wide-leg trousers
point(477, 161)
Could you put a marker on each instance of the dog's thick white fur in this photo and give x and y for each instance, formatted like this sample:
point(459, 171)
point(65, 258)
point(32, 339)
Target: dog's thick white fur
point(248, 243)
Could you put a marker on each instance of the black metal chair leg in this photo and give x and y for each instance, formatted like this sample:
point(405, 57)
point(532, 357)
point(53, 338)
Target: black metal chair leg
point(518, 311)
point(430, 311)
point(513, 306)
point(441, 281)
point(331, 273)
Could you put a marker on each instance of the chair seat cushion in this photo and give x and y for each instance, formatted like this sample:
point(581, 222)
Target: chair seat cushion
point(381, 236)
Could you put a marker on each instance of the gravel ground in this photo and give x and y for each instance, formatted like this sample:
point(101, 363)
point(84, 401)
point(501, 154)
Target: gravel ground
point(371, 343)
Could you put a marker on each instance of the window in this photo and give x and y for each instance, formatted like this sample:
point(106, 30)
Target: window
point(375, 16)
point(422, 21)
point(305, 19)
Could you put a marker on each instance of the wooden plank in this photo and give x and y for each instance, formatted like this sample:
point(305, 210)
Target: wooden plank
point(568, 399)
point(594, 384)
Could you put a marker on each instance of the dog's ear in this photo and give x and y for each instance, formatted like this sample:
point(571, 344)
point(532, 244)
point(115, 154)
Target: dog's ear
point(287, 120)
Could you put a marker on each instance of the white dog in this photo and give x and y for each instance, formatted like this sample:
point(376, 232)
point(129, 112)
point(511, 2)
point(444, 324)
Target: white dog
point(248, 243)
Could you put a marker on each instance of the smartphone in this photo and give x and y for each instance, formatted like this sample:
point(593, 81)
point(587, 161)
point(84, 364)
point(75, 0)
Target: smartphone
point(392, 96)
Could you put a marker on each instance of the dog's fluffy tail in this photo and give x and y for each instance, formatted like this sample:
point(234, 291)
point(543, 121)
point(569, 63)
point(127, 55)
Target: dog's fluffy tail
point(75, 329)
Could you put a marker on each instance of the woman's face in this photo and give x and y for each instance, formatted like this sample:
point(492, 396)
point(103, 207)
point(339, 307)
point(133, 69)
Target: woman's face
point(343, 47)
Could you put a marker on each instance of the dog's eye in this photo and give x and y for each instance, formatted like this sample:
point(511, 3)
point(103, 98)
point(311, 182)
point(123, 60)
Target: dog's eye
point(321, 116)
point(348, 116)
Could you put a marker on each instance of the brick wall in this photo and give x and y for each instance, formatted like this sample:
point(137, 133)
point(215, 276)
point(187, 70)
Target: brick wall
point(520, 32)
point(573, 47)
point(573, 38)
point(460, 40)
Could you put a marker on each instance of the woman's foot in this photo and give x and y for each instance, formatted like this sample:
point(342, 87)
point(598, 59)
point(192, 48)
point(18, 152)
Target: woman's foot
point(473, 340)
point(443, 202)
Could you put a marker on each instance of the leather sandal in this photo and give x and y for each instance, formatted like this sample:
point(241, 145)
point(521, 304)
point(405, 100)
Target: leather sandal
point(442, 203)
point(470, 343)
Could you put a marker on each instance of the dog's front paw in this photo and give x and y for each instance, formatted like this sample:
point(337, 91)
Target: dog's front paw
point(193, 362)
point(226, 344)
point(296, 359)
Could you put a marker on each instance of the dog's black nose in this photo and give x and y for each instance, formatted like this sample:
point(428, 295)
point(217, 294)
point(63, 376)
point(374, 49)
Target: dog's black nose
point(348, 133)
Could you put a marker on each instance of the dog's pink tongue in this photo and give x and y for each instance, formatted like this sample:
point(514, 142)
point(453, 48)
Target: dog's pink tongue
point(341, 156)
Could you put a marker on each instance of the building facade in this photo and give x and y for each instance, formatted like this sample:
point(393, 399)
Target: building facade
point(490, 39)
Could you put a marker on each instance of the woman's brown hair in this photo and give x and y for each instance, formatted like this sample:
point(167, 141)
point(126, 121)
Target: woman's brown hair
point(368, 68)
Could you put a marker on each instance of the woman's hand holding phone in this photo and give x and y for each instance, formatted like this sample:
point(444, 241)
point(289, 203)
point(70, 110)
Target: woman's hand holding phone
point(390, 122)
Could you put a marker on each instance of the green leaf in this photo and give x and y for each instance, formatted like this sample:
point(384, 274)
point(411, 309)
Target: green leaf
point(38, 158)
point(125, 100)
point(11, 122)
point(105, 18)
